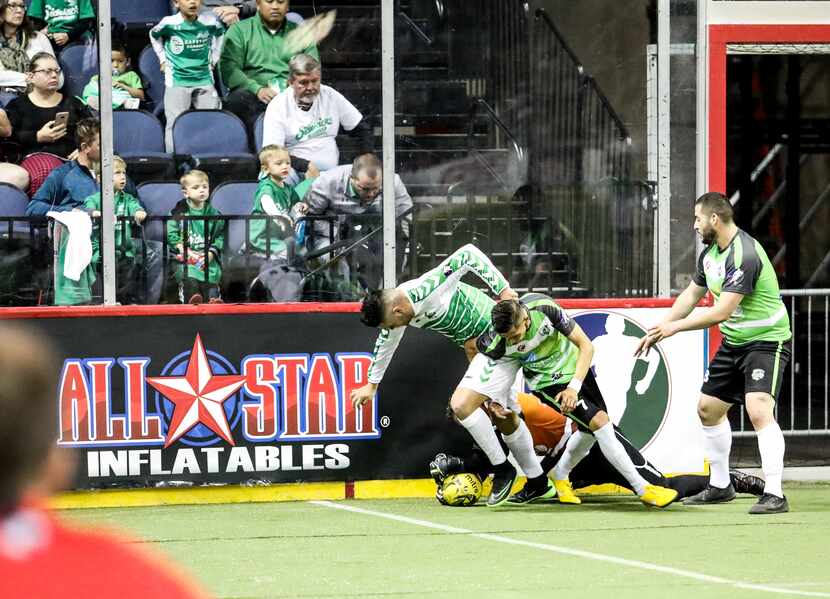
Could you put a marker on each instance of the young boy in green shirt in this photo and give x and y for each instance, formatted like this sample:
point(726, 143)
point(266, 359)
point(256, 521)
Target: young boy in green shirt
point(126, 276)
point(274, 197)
point(63, 21)
point(188, 45)
point(127, 89)
point(201, 268)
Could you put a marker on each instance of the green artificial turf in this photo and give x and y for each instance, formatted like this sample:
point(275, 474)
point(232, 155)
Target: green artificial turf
point(304, 549)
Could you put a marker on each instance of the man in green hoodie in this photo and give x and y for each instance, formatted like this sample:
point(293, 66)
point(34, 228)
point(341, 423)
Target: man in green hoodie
point(254, 61)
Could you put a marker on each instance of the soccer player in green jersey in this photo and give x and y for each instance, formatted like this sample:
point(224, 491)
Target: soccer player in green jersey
point(439, 301)
point(749, 365)
point(555, 355)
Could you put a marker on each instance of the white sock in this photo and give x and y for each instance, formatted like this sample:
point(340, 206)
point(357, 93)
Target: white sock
point(771, 446)
point(717, 441)
point(521, 446)
point(481, 429)
point(577, 447)
point(615, 453)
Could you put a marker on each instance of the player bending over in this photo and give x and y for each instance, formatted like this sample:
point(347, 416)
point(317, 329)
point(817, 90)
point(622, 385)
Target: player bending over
point(440, 302)
point(555, 356)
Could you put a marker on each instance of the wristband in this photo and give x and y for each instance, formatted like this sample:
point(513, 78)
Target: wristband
point(575, 384)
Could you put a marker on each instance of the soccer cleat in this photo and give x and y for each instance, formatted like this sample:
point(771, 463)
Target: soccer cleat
point(657, 496)
point(770, 504)
point(443, 465)
point(746, 483)
point(711, 495)
point(530, 493)
point(503, 478)
point(565, 492)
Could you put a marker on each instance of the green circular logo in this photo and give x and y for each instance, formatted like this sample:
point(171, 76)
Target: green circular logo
point(176, 45)
point(637, 391)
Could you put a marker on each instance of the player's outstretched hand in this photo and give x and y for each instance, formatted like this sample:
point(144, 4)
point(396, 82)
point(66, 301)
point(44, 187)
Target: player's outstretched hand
point(362, 394)
point(643, 346)
point(508, 294)
point(566, 399)
point(654, 335)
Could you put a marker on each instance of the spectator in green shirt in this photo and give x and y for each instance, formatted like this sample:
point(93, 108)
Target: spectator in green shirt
point(254, 62)
point(127, 89)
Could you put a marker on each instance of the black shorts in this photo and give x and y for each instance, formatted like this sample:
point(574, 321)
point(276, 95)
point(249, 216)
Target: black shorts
point(756, 367)
point(590, 401)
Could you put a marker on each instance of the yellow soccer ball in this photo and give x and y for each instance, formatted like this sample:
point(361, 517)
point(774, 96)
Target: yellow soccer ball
point(461, 490)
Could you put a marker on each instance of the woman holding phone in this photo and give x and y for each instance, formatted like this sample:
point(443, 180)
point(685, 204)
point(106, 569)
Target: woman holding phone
point(44, 120)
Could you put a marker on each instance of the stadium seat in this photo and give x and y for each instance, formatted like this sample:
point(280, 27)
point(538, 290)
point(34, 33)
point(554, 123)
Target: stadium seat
point(140, 13)
point(150, 69)
point(13, 202)
point(139, 139)
point(5, 98)
point(158, 198)
point(234, 198)
point(79, 63)
point(218, 143)
point(259, 131)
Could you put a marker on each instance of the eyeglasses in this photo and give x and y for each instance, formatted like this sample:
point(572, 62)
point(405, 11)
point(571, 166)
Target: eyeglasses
point(49, 71)
point(11, 6)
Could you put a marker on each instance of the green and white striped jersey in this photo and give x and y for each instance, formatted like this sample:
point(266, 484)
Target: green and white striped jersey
point(442, 303)
point(743, 267)
point(189, 49)
point(546, 354)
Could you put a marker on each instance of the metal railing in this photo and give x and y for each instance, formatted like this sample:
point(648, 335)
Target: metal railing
point(803, 405)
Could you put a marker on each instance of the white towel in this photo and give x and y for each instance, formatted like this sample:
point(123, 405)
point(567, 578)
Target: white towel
point(79, 246)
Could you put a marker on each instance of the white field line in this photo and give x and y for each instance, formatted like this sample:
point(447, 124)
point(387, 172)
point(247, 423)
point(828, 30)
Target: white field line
point(575, 552)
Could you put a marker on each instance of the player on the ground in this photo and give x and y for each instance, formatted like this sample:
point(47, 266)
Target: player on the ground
point(749, 365)
point(551, 430)
point(555, 355)
point(439, 301)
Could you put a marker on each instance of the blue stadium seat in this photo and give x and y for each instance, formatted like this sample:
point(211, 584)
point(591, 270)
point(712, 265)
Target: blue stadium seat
point(13, 202)
point(259, 125)
point(218, 143)
point(139, 139)
point(140, 13)
point(79, 63)
point(6, 97)
point(234, 198)
point(150, 69)
point(158, 198)
point(137, 133)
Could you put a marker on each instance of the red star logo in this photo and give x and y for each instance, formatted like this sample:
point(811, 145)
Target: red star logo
point(197, 396)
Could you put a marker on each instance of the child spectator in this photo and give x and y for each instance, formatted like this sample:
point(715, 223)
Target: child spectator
point(203, 241)
point(127, 89)
point(188, 45)
point(275, 197)
point(126, 276)
point(64, 21)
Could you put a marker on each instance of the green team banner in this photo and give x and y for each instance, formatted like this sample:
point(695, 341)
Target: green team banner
point(653, 398)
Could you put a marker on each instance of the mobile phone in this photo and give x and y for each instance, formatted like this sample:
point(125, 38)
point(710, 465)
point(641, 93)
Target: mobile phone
point(61, 119)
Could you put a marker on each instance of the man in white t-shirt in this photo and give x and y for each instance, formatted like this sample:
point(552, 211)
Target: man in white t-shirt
point(307, 116)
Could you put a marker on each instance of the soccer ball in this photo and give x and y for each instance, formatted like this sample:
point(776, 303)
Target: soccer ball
point(460, 490)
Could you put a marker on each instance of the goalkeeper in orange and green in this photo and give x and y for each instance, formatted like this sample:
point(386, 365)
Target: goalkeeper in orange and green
point(550, 431)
